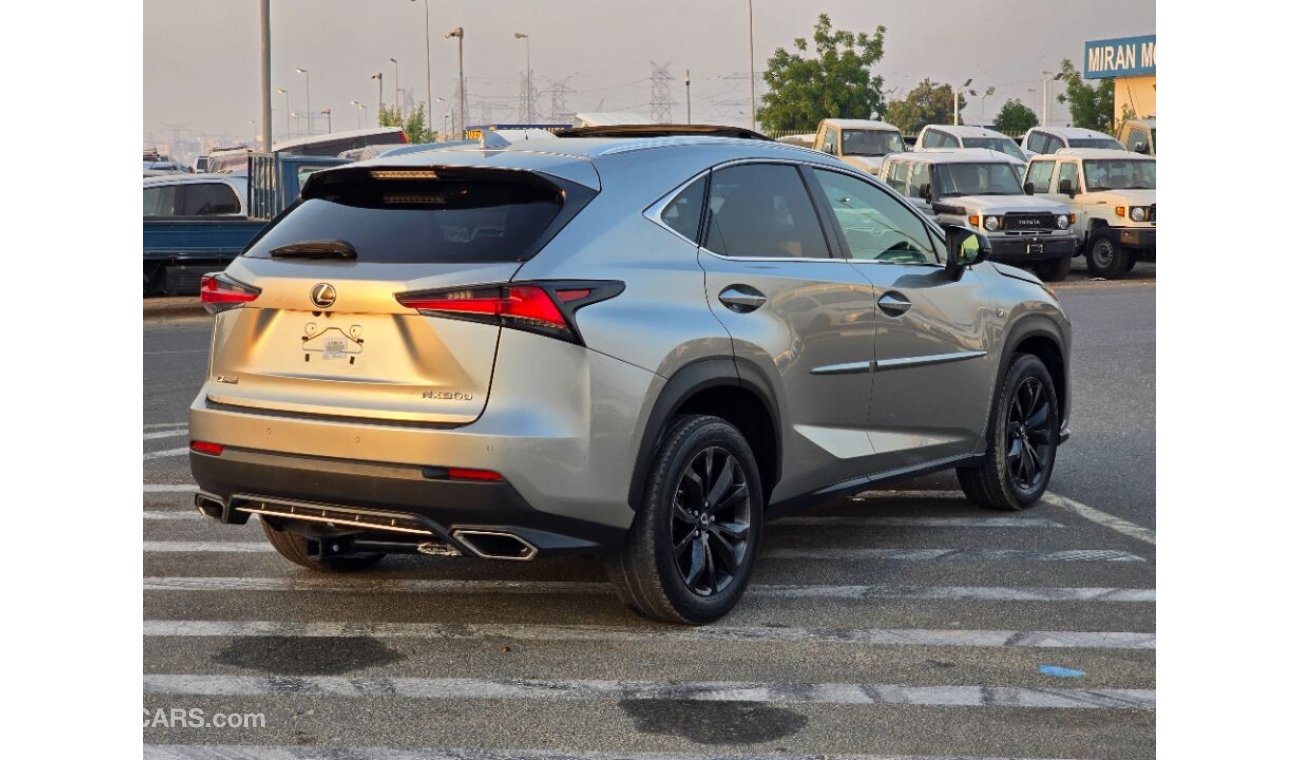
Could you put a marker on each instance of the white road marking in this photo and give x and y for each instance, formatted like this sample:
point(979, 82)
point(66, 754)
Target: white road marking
point(165, 434)
point(166, 453)
point(970, 555)
point(169, 487)
point(177, 351)
point(881, 521)
point(1102, 518)
point(308, 752)
point(477, 631)
point(156, 425)
point(451, 586)
point(172, 514)
point(574, 689)
point(216, 547)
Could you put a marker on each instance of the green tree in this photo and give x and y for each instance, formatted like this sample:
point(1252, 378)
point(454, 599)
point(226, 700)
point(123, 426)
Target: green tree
point(1090, 107)
point(835, 82)
point(1015, 118)
point(417, 131)
point(927, 103)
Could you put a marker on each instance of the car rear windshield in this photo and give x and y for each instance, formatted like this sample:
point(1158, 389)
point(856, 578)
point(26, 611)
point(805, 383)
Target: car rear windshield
point(1000, 144)
point(420, 217)
point(1096, 142)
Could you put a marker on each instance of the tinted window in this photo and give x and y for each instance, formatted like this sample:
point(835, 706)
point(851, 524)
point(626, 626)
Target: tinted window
point(919, 176)
point(160, 201)
point(762, 210)
point(1040, 173)
point(872, 142)
point(1037, 142)
point(1053, 144)
point(210, 198)
point(897, 176)
point(1069, 171)
point(416, 221)
point(931, 139)
point(683, 212)
point(1108, 143)
point(876, 227)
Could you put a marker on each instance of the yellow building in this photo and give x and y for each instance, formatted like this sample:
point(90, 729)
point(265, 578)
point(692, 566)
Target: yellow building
point(1131, 62)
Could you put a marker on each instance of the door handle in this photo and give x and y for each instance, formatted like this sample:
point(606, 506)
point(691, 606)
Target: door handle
point(894, 304)
point(741, 298)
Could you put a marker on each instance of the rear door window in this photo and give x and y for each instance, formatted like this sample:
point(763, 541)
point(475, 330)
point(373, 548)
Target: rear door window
point(763, 211)
point(422, 219)
point(160, 200)
point(208, 198)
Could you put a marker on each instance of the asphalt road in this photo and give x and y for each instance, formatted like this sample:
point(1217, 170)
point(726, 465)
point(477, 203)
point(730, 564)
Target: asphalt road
point(904, 623)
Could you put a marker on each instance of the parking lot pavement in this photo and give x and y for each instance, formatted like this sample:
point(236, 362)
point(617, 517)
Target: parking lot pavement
point(906, 623)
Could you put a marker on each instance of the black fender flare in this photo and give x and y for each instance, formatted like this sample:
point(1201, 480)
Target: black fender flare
point(1031, 326)
point(697, 376)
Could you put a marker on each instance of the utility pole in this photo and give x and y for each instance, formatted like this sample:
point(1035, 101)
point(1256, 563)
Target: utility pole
point(380, 76)
point(361, 108)
point(753, 77)
point(459, 34)
point(530, 110)
point(688, 96)
point(397, 88)
point(266, 75)
point(956, 102)
point(329, 120)
point(428, 68)
point(288, 128)
point(310, 130)
point(1047, 93)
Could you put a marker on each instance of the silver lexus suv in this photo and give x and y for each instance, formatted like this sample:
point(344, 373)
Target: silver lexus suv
point(638, 349)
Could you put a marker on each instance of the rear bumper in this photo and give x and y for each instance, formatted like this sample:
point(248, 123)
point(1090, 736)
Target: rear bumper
point(1025, 248)
point(268, 480)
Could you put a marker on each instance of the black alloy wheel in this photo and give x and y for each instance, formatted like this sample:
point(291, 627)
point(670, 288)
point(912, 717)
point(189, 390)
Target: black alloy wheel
point(710, 522)
point(1029, 439)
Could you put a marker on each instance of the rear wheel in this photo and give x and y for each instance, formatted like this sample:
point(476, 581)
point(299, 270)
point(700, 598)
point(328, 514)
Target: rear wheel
point(293, 547)
point(1105, 259)
point(690, 552)
point(1022, 440)
point(1052, 271)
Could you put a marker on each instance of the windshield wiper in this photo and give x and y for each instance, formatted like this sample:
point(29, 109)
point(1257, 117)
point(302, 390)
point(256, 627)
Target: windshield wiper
point(316, 249)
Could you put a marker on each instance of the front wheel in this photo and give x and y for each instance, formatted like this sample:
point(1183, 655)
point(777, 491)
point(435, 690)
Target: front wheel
point(1105, 259)
point(690, 551)
point(1022, 440)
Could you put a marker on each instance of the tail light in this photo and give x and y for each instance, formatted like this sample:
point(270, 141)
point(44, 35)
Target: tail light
point(547, 308)
point(218, 292)
point(207, 447)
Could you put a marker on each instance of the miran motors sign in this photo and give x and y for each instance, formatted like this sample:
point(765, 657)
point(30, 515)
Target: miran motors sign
point(1125, 57)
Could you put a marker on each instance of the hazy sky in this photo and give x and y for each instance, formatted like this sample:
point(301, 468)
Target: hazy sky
point(201, 57)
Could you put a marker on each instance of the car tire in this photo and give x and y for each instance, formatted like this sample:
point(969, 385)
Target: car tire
point(690, 551)
point(293, 547)
point(1054, 271)
point(1024, 431)
point(1105, 258)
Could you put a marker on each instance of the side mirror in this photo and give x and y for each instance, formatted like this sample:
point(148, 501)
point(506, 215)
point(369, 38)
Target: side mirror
point(1029, 188)
point(966, 247)
point(1066, 186)
point(926, 195)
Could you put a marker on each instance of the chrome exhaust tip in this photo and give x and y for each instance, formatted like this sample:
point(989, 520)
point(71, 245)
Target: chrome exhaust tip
point(209, 505)
point(495, 544)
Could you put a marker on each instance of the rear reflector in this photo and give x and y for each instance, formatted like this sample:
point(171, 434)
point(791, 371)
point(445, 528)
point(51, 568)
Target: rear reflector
point(465, 473)
point(217, 292)
point(207, 447)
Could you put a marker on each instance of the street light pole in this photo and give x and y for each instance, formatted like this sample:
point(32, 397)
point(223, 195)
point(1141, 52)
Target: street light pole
point(361, 107)
point(288, 128)
point(984, 97)
point(428, 68)
point(380, 76)
point(310, 130)
point(956, 102)
point(459, 34)
point(1047, 93)
point(688, 96)
point(329, 121)
point(528, 74)
point(753, 78)
point(397, 88)
point(266, 75)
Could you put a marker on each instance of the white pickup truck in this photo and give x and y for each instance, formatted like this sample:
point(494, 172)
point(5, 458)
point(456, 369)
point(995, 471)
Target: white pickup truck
point(861, 143)
point(1113, 195)
point(980, 188)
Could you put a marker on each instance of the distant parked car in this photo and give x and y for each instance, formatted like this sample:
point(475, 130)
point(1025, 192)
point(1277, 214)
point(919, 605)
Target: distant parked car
point(196, 195)
point(963, 136)
point(1139, 136)
point(1113, 195)
point(861, 143)
point(1051, 139)
point(980, 189)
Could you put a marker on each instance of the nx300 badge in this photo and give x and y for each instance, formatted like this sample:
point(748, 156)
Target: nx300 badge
point(448, 395)
point(323, 295)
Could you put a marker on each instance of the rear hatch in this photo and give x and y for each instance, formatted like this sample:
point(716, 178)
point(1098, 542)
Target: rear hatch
point(324, 333)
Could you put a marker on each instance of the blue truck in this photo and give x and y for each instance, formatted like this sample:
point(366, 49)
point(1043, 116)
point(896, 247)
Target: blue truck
point(179, 250)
